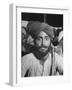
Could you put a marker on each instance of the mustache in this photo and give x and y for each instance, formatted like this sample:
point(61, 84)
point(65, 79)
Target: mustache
point(43, 46)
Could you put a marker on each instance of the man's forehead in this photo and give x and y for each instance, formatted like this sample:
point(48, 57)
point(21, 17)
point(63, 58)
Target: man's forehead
point(42, 33)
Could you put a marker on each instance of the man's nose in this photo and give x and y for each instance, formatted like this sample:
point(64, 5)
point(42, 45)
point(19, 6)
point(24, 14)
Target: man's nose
point(43, 42)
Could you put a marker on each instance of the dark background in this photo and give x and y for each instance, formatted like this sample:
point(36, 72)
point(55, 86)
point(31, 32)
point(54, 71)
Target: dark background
point(55, 20)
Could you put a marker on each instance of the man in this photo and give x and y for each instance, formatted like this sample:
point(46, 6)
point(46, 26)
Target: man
point(42, 61)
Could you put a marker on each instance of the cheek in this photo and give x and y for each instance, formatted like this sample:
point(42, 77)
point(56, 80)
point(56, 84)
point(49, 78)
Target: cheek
point(47, 43)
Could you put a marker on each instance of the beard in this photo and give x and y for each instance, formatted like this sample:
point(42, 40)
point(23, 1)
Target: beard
point(39, 53)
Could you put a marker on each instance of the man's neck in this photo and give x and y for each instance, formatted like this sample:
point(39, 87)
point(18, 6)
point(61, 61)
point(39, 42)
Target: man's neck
point(45, 57)
point(42, 61)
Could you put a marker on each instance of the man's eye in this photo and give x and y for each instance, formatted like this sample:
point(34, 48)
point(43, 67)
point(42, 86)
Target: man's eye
point(47, 38)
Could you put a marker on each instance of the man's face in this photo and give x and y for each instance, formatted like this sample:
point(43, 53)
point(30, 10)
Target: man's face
point(42, 42)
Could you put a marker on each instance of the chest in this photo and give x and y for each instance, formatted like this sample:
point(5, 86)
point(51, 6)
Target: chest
point(39, 69)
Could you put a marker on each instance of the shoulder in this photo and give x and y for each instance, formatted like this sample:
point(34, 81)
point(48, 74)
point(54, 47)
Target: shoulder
point(27, 56)
point(28, 59)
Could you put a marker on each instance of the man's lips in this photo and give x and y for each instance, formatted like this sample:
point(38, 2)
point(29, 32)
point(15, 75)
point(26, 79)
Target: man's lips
point(43, 48)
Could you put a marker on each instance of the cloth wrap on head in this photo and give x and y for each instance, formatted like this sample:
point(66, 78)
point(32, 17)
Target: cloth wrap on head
point(34, 28)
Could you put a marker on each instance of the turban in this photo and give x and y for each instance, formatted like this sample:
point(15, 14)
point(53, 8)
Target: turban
point(34, 28)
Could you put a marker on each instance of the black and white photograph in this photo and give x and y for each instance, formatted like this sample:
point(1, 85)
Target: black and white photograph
point(41, 44)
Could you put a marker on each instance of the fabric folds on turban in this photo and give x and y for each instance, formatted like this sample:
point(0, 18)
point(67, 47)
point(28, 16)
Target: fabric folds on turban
point(34, 28)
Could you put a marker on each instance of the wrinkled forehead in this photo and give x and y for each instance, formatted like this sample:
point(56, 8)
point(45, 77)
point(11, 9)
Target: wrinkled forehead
point(42, 34)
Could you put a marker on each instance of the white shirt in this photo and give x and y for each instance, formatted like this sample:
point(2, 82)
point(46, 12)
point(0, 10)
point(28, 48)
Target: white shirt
point(31, 66)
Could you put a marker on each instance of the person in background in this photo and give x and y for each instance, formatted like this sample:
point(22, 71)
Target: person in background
point(26, 42)
point(58, 43)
